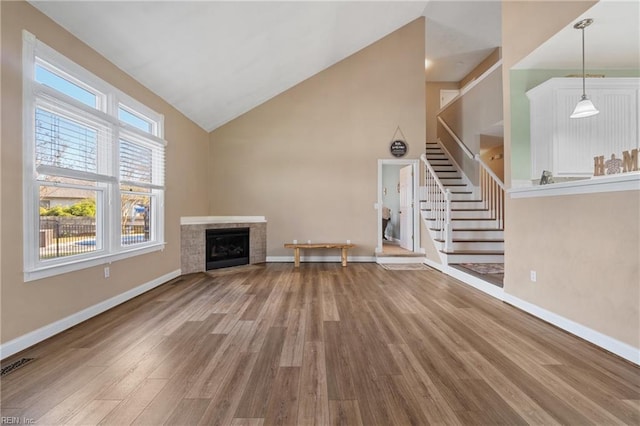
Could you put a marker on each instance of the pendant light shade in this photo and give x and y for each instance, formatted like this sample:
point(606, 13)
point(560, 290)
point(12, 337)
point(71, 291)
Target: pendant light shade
point(585, 107)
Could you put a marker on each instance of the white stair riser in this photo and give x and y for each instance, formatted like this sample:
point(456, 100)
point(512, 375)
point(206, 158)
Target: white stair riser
point(482, 230)
point(464, 214)
point(461, 196)
point(469, 245)
point(474, 224)
point(446, 174)
point(475, 258)
point(478, 235)
point(489, 225)
point(439, 168)
point(457, 204)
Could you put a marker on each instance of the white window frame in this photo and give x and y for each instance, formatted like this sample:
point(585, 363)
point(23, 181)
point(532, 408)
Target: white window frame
point(108, 226)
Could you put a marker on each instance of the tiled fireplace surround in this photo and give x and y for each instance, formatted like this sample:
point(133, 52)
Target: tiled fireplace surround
point(193, 238)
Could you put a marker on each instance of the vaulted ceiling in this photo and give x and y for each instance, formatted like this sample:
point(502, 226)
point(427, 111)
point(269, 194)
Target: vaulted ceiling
point(215, 60)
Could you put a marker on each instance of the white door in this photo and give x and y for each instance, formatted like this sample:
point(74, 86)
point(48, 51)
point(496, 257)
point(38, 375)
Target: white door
point(447, 96)
point(406, 208)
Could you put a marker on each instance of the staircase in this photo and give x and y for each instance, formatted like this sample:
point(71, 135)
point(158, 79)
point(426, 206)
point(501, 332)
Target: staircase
point(465, 221)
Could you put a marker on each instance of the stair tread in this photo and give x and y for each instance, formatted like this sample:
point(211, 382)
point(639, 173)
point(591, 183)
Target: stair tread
point(478, 252)
point(477, 229)
point(465, 218)
point(475, 240)
point(457, 210)
point(469, 229)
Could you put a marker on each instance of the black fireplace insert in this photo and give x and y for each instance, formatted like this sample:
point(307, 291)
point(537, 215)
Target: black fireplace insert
point(227, 247)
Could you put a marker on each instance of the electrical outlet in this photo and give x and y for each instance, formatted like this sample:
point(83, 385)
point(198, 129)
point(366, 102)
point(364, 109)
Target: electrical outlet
point(308, 241)
point(534, 276)
point(106, 272)
point(295, 241)
point(348, 241)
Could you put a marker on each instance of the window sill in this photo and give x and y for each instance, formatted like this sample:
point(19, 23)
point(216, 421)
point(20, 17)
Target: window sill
point(611, 183)
point(63, 268)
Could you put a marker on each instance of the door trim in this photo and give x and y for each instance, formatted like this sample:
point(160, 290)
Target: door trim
point(416, 201)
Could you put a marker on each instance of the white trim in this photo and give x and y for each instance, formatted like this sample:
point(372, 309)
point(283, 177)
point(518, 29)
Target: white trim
point(477, 283)
point(204, 220)
point(611, 183)
point(473, 83)
point(36, 95)
point(435, 265)
point(487, 73)
point(460, 169)
point(608, 343)
point(323, 259)
point(25, 341)
point(415, 163)
point(521, 183)
point(615, 346)
point(399, 260)
point(94, 260)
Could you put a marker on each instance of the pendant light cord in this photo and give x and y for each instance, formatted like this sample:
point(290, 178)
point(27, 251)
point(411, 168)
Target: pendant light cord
point(584, 90)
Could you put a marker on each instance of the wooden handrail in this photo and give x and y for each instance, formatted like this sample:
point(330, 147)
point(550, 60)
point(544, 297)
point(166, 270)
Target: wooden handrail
point(489, 171)
point(455, 137)
point(432, 172)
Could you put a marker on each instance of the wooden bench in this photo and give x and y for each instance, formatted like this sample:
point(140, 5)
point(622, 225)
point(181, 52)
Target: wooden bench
point(296, 250)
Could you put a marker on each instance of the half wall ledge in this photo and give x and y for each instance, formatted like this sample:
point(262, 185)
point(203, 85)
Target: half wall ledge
point(193, 238)
point(608, 183)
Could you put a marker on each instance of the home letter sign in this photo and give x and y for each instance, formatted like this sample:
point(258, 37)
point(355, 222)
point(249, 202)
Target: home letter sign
point(628, 163)
point(598, 168)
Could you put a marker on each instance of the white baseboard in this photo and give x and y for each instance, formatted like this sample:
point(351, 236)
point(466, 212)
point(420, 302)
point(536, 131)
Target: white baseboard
point(435, 265)
point(289, 259)
point(399, 260)
point(23, 342)
point(608, 343)
point(483, 286)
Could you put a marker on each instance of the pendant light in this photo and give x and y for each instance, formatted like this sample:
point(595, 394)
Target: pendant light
point(585, 107)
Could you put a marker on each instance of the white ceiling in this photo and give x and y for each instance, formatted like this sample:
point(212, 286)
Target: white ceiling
point(215, 60)
point(612, 41)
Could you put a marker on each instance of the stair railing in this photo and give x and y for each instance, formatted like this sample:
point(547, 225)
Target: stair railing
point(438, 201)
point(491, 186)
point(492, 190)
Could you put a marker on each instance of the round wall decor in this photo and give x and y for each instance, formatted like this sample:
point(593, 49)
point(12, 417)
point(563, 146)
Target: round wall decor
point(398, 148)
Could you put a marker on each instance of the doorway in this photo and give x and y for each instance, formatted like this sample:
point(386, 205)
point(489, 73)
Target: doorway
point(398, 200)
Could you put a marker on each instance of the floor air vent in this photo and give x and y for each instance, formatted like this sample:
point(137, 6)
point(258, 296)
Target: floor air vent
point(14, 366)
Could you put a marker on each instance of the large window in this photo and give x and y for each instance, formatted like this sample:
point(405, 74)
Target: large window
point(93, 168)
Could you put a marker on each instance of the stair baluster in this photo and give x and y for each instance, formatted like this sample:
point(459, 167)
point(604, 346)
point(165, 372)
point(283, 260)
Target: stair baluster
point(439, 203)
point(492, 192)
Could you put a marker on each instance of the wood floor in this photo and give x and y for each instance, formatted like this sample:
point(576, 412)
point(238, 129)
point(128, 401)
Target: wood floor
point(319, 345)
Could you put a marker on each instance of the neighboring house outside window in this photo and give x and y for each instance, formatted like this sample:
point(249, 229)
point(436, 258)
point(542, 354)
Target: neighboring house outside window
point(93, 168)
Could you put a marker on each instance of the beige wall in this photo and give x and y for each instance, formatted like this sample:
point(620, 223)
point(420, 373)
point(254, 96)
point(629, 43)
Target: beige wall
point(432, 95)
point(584, 248)
point(483, 66)
point(469, 116)
point(29, 306)
point(307, 159)
point(493, 157)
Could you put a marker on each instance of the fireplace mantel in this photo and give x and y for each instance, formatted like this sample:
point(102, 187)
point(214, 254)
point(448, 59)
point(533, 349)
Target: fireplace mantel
point(205, 220)
point(193, 238)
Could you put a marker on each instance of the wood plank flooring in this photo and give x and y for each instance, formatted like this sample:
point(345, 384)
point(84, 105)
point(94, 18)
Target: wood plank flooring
point(319, 345)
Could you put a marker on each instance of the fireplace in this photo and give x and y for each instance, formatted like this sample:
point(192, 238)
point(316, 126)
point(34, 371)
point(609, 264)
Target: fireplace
point(227, 247)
